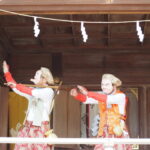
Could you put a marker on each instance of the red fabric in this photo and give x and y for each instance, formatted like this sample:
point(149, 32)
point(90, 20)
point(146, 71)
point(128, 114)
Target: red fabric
point(98, 96)
point(116, 146)
point(19, 87)
point(80, 97)
point(9, 77)
point(31, 131)
point(24, 89)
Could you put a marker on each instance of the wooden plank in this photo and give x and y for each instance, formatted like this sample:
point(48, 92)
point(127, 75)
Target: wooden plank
point(3, 53)
point(57, 64)
point(148, 111)
point(74, 117)
point(45, 2)
point(143, 114)
point(95, 60)
point(76, 7)
point(60, 122)
point(85, 48)
point(4, 115)
point(32, 61)
point(93, 76)
point(87, 68)
point(76, 49)
point(5, 40)
point(132, 112)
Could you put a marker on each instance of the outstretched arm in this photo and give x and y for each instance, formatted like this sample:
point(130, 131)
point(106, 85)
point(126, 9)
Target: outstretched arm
point(96, 96)
point(12, 83)
point(78, 96)
point(7, 74)
point(84, 94)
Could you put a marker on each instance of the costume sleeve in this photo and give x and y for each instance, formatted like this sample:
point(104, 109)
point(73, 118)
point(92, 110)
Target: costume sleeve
point(116, 99)
point(98, 96)
point(21, 94)
point(24, 89)
point(90, 100)
point(19, 87)
point(9, 77)
point(42, 93)
point(80, 97)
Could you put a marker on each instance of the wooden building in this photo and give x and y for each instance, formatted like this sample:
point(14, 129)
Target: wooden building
point(111, 48)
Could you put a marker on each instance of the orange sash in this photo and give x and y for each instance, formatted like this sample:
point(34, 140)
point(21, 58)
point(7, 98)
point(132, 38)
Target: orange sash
point(109, 117)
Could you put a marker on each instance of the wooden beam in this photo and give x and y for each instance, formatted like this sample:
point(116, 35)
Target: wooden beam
point(73, 31)
point(4, 114)
point(5, 40)
point(84, 48)
point(76, 7)
point(94, 35)
point(45, 2)
point(108, 31)
point(145, 28)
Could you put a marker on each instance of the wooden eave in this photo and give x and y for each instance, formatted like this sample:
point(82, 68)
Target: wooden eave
point(77, 6)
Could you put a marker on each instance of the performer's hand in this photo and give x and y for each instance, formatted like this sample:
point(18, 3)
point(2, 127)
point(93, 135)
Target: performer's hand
point(5, 67)
point(73, 92)
point(10, 84)
point(82, 89)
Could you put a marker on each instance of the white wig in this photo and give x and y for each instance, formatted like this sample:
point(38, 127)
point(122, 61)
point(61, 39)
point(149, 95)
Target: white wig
point(46, 73)
point(114, 80)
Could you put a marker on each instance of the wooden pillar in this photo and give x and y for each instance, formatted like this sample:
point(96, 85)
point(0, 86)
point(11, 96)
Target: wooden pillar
point(3, 115)
point(143, 114)
point(66, 118)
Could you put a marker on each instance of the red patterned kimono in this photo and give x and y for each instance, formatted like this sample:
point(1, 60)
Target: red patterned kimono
point(35, 132)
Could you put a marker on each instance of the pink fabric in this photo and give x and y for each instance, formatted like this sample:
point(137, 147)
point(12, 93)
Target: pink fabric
point(116, 147)
point(33, 132)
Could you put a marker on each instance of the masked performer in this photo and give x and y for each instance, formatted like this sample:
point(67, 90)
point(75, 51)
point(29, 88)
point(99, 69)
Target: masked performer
point(36, 123)
point(112, 108)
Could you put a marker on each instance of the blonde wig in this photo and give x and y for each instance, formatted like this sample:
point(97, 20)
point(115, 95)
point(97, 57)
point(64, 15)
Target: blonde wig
point(46, 73)
point(114, 80)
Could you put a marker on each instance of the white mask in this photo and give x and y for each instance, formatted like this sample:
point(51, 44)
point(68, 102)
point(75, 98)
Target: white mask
point(37, 77)
point(107, 86)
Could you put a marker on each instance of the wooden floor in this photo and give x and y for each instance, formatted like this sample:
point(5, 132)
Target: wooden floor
point(79, 147)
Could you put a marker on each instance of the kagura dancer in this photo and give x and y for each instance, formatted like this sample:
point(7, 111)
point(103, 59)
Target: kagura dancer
point(39, 104)
point(112, 108)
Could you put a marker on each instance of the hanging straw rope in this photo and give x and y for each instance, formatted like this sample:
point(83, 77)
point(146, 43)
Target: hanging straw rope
point(71, 21)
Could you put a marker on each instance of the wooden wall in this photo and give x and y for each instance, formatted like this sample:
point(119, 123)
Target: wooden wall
point(23, 67)
point(3, 115)
point(66, 117)
point(87, 68)
point(84, 68)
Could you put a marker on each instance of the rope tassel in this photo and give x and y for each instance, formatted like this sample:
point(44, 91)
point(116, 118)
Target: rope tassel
point(139, 31)
point(83, 31)
point(36, 27)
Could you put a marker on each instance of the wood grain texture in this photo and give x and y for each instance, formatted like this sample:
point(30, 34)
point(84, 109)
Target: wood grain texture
point(3, 115)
